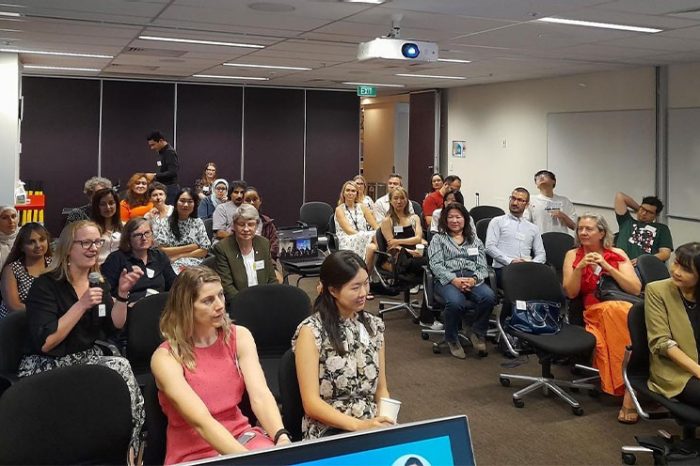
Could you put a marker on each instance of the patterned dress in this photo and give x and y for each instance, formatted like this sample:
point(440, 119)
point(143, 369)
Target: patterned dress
point(24, 282)
point(348, 383)
point(359, 241)
point(192, 231)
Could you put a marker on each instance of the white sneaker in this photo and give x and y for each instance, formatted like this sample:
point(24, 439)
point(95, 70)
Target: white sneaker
point(434, 326)
point(415, 289)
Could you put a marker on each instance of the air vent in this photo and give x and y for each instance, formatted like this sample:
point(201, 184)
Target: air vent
point(154, 52)
point(117, 68)
point(691, 13)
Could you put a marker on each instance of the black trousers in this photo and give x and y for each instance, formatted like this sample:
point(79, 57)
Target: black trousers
point(173, 189)
point(691, 393)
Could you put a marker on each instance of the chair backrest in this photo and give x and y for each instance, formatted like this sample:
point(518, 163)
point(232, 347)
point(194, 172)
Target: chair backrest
point(13, 336)
point(418, 210)
point(556, 245)
point(482, 226)
point(651, 269)
point(316, 213)
point(143, 331)
point(70, 415)
point(485, 211)
point(272, 314)
point(156, 425)
point(638, 364)
point(290, 396)
point(331, 233)
point(210, 261)
point(209, 226)
point(531, 281)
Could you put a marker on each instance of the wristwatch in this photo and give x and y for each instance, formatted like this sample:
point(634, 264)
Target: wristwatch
point(122, 300)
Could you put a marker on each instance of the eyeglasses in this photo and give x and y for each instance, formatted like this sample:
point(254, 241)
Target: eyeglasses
point(220, 188)
point(144, 235)
point(88, 243)
point(518, 200)
point(643, 209)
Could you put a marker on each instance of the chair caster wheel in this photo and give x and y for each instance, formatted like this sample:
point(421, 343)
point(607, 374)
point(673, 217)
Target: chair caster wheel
point(518, 403)
point(578, 411)
point(381, 307)
point(436, 349)
point(504, 381)
point(629, 458)
point(424, 336)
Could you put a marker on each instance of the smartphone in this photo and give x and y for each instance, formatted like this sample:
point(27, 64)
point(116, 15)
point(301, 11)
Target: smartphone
point(245, 438)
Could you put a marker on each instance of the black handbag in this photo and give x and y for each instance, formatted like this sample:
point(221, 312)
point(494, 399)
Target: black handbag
point(609, 290)
point(536, 317)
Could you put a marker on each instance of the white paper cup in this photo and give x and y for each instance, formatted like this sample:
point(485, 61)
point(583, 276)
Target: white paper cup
point(390, 408)
point(420, 247)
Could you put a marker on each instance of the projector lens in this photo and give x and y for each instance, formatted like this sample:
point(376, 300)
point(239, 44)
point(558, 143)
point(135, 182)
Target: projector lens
point(410, 50)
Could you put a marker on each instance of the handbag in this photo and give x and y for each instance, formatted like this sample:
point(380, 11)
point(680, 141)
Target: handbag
point(536, 317)
point(609, 290)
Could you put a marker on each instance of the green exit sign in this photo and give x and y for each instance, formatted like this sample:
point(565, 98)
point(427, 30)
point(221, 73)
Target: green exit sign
point(367, 91)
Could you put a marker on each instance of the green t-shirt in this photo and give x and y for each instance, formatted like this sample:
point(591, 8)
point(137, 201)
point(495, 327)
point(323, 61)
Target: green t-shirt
point(637, 238)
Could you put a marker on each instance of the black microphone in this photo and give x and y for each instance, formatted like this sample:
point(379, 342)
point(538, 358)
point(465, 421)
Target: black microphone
point(95, 279)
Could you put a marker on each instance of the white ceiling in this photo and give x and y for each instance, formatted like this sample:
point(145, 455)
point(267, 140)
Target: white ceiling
point(500, 37)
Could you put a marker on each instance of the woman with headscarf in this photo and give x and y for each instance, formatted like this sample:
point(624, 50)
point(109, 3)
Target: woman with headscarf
point(218, 195)
point(8, 231)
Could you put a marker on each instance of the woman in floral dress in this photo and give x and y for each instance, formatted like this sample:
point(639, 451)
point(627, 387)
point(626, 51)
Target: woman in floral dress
point(339, 353)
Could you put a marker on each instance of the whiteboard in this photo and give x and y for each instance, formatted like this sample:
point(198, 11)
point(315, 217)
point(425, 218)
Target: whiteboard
point(596, 154)
point(684, 162)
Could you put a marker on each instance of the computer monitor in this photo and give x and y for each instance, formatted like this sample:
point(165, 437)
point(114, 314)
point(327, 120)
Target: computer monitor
point(443, 442)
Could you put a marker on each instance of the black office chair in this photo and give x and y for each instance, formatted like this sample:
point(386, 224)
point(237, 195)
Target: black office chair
point(143, 334)
point(315, 214)
point(482, 227)
point(13, 335)
point(393, 280)
point(209, 226)
point(532, 281)
point(331, 234)
point(651, 269)
point(210, 261)
point(290, 397)
point(556, 245)
point(418, 210)
point(635, 370)
point(485, 211)
point(272, 314)
point(70, 415)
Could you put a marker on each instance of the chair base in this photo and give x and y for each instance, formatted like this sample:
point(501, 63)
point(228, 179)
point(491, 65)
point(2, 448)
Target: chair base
point(664, 447)
point(398, 306)
point(438, 345)
point(547, 384)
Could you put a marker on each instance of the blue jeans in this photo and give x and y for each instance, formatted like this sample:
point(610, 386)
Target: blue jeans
point(481, 300)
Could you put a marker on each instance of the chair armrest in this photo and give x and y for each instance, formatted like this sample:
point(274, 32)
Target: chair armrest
point(6, 381)
point(302, 224)
point(504, 335)
point(107, 348)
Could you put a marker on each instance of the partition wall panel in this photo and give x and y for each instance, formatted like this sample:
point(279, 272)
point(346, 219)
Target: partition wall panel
point(421, 143)
point(209, 130)
point(60, 134)
point(131, 110)
point(274, 150)
point(332, 143)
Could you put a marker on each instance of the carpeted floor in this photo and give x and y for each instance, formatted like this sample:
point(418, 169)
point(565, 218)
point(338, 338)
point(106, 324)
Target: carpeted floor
point(544, 432)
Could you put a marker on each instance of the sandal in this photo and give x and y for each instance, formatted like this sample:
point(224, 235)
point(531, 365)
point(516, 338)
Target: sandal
point(627, 416)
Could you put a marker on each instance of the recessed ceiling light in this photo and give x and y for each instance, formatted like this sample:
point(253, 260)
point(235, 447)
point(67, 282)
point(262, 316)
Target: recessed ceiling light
point(621, 27)
point(433, 76)
point(271, 67)
point(59, 54)
point(10, 13)
point(59, 68)
point(203, 42)
point(271, 7)
point(453, 60)
point(240, 78)
point(373, 84)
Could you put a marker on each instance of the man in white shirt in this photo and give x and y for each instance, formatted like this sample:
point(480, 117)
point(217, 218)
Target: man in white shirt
point(549, 211)
point(381, 205)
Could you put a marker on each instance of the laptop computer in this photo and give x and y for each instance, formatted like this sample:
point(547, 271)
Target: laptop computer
point(299, 247)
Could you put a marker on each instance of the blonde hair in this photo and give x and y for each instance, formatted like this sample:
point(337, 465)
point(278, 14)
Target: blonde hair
point(361, 195)
point(341, 199)
point(60, 263)
point(392, 212)
point(602, 226)
point(177, 320)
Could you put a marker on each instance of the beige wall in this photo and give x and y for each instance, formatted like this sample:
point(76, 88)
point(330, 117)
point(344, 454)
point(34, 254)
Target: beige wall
point(378, 136)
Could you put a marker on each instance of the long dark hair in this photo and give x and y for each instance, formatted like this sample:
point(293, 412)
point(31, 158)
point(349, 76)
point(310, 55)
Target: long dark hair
point(23, 236)
point(337, 270)
point(96, 215)
point(467, 230)
point(688, 257)
point(174, 224)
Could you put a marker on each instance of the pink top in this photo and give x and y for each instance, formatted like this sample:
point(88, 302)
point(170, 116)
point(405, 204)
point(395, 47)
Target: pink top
point(589, 280)
point(217, 380)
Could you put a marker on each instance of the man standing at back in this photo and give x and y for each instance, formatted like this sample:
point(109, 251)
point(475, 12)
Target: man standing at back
point(549, 211)
point(381, 206)
point(168, 164)
point(644, 235)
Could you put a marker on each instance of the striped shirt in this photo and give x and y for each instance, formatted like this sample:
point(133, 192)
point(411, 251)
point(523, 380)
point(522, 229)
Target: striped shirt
point(448, 260)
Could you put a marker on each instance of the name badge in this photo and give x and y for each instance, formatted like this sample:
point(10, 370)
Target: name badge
point(151, 291)
point(472, 252)
point(398, 229)
point(102, 310)
point(520, 305)
point(259, 265)
point(159, 163)
point(597, 269)
point(520, 236)
point(150, 273)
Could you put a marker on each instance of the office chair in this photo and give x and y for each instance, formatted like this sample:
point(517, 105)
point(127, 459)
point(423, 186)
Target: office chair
point(394, 280)
point(482, 227)
point(69, 415)
point(143, 334)
point(13, 335)
point(538, 282)
point(315, 214)
point(651, 269)
point(290, 397)
point(272, 314)
point(331, 234)
point(209, 226)
point(635, 370)
point(418, 210)
point(485, 211)
point(556, 245)
point(209, 261)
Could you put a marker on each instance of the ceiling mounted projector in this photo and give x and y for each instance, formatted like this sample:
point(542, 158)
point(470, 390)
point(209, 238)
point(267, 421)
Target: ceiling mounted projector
point(389, 48)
